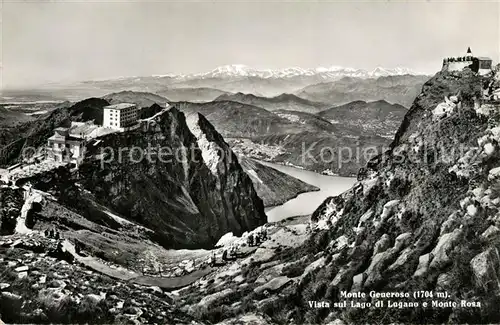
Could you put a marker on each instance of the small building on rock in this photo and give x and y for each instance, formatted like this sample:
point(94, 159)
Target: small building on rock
point(478, 64)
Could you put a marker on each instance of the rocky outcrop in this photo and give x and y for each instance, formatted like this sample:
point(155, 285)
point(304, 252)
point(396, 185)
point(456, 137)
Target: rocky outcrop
point(486, 269)
point(421, 215)
point(161, 177)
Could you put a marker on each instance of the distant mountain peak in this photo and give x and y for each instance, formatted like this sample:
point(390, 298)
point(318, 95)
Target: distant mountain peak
point(332, 72)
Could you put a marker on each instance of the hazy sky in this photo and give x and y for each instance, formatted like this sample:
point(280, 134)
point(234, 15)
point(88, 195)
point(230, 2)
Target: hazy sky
point(56, 41)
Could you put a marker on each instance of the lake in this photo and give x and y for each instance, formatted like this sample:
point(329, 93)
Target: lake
point(306, 203)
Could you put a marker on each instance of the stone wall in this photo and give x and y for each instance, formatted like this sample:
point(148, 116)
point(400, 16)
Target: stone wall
point(458, 66)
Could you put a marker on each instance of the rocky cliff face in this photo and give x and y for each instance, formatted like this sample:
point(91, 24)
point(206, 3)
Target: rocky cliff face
point(189, 189)
point(423, 216)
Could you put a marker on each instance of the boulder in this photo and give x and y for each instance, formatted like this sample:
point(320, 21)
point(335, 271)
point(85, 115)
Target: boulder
point(4, 286)
point(402, 259)
point(274, 285)
point(382, 244)
point(444, 282)
point(270, 273)
point(491, 234)
point(21, 268)
point(344, 277)
point(402, 241)
point(22, 275)
point(451, 223)
point(357, 282)
point(423, 265)
point(445, 244)
point(486, 267)
point(208, 300)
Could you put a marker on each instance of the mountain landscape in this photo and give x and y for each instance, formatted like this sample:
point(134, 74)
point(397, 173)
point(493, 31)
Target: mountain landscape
point(383, 235)
point(15, 137)
point(332, 86)
point(348, 172)
point(322, 142)
point(193, 238)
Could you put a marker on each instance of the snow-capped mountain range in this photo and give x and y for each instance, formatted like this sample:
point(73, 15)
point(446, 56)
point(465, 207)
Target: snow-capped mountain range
point(333, 72)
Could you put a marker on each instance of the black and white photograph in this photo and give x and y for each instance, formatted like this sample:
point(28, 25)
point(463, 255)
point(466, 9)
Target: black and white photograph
point(251, 162)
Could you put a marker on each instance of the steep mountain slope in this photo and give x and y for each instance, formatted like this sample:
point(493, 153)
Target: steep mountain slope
point(201, 94)
point(378, 117)
point(281, 102)
point(394, 89)
point(141, 99)
point(420, 226)
point(190, 198)
point(273, 186)
point(424, 214)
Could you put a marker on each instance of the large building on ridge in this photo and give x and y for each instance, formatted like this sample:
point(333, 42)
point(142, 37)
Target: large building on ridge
point(120, 116)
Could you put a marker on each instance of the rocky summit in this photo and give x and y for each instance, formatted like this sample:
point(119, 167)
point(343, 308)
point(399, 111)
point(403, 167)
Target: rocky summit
point(425, 212)
point(191, 196)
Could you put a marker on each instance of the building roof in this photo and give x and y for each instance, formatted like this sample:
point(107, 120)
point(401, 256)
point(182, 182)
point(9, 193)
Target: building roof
point(71, 139)
point(119, 106)
point(57, 138)
point(84, 129)
point(484, 58)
